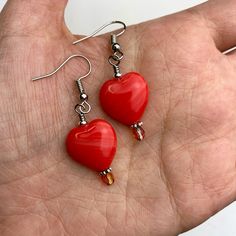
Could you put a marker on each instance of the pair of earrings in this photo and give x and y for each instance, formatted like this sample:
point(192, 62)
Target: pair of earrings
point(124, 98)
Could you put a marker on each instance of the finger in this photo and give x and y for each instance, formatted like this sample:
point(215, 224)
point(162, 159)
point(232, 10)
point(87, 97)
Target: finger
point(25, 16)
point(220, 18)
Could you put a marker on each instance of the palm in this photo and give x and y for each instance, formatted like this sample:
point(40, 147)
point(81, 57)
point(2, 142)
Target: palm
point(180, 175)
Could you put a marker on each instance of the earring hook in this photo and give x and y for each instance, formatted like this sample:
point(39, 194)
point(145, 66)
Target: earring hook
point(84, 107)
point(101, 28)
point(60, 66)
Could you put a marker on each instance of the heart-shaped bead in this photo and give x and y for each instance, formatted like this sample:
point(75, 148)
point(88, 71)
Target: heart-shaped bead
point(93, 144)
point(125, 98)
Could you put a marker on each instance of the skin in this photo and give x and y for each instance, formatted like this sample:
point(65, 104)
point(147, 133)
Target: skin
point(180, 175)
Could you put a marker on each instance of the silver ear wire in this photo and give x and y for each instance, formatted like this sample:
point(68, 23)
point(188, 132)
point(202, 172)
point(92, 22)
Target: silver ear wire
point(84, 107)
point(60, 66)
point(101, 28)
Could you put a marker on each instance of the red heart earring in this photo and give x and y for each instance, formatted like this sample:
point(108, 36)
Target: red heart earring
point(91, 144)
point(124, 97)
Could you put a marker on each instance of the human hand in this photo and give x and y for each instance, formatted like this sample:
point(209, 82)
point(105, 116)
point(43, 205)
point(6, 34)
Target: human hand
point(180, 175)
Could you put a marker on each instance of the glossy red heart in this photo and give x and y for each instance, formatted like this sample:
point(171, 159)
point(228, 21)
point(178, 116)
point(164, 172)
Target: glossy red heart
point(93, 144)
point(126, 98)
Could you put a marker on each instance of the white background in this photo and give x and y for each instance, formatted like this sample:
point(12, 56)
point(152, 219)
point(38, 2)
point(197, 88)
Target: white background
point(83, 17)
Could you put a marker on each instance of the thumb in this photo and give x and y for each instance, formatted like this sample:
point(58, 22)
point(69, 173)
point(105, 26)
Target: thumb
point(22, 17)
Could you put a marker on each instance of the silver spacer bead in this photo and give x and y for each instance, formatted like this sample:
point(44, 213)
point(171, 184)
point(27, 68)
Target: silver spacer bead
point(137, 125)
point(116, 47)
point(83, 96)
point(105, 172)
